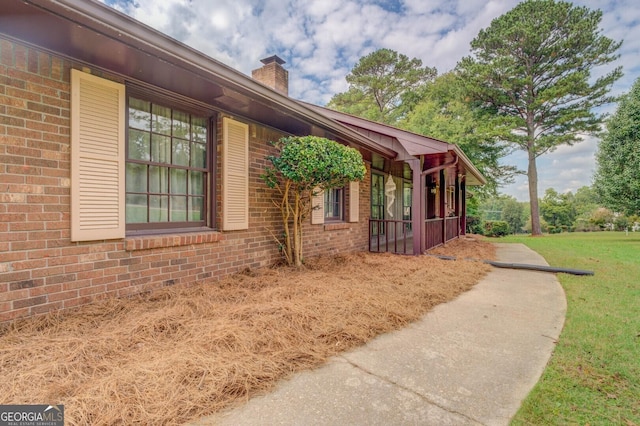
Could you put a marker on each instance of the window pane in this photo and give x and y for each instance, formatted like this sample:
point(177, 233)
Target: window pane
point(337, 211)
point(178, 181)
point(180, 152)
point(178, 209)
point(158, 179)
point(136, 177)
point(161, 119)
point(161, 149)
point(136, 210)
point(333, 203)
point(199, 129)
point(196, 208)
point(138, 145)
point(196, 183)
point(408, 195)
point(139, 114)
point(180, 125)
point(158, 208)
point(198, 155)
point(166, 170)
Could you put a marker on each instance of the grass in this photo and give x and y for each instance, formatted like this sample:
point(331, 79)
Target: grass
point(593, 376)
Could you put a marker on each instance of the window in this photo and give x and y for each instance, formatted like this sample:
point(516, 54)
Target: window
point(330, 205)
point(377, 203)
point(407, 200)
point(334, 204)
point(451, 203)
point(167, 166)
point(377, 196)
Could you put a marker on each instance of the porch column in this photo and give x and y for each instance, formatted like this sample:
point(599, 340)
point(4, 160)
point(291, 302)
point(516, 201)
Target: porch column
point(463, 213)
point(443, 215)
point(457, 202)
point(417, 209)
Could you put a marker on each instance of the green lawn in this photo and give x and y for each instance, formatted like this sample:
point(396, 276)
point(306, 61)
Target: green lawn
point(593, 376)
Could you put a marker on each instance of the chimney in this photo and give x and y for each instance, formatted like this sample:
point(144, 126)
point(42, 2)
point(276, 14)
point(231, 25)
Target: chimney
point(273, 74)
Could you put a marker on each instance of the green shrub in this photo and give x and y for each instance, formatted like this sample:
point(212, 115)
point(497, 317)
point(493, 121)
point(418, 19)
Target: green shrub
point(304, 166)
point(474, 225)
point(496, 228)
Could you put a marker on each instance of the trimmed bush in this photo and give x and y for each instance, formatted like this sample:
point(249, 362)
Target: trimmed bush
point(496, 228)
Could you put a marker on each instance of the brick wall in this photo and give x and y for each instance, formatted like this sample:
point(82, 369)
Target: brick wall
point(42, 270)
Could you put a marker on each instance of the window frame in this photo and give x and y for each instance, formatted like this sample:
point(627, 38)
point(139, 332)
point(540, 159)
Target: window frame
point(209, 183)
point(338, 201)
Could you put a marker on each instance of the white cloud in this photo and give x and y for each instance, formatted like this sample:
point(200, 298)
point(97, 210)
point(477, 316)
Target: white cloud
point(321, 40)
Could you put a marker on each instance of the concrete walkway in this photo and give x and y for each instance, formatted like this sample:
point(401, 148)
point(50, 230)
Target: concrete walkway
point(467, 362)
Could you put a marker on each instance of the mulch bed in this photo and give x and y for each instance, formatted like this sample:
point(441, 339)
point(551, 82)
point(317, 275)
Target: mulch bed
point(186, 352)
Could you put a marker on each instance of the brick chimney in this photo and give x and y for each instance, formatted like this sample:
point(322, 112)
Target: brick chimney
point(273, 74)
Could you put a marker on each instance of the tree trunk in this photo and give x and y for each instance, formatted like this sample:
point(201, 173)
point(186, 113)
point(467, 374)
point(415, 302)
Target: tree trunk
point(297, 253)
point(299, 243)
point(285, 210)
point(532, 174)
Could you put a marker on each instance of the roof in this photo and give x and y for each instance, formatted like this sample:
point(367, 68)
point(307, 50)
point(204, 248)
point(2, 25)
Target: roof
point(91, 33)
point(412, 144)
point(94, 34)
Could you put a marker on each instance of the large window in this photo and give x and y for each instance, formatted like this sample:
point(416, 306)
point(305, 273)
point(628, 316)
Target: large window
point(167, 167)
point(334, 204)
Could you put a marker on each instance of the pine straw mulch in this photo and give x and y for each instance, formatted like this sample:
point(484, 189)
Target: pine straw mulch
point(186, 352)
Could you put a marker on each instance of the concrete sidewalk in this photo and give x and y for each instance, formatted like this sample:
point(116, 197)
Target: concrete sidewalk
point(467, 362)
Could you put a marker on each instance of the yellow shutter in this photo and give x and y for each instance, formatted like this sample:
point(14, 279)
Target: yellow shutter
point(317, 205)
point(97, 158)
point(354, 201)
point(235, 175)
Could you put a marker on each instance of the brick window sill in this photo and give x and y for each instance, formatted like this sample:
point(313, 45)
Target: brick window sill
point(336, 226)
point(147, 242)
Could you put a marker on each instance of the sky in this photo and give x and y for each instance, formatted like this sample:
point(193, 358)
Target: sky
point(321, 41)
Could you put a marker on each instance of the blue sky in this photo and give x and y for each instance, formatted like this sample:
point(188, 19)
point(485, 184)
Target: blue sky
point(321, 40)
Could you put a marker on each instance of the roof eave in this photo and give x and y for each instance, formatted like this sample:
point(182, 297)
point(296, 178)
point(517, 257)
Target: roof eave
point(468, 165)
point(116, 25)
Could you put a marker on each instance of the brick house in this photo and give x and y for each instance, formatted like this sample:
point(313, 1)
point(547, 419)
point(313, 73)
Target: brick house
point(130, 161)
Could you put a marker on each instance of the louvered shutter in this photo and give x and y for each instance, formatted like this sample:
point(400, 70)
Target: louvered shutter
point(235, 175)
point(97, 158)
point(354, 201)
point(317, 204)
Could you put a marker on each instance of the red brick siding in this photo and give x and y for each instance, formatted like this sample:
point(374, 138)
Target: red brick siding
point(42, 270)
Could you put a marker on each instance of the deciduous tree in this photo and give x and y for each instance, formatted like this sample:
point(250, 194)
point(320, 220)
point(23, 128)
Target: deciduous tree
point(558, 209)
point(532, 68)
point(513, 214)
point(617, 178)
